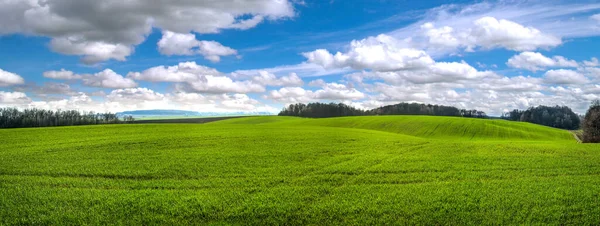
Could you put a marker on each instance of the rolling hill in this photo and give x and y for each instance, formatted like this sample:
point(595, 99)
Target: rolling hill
point(431, 127)
point(284, 170)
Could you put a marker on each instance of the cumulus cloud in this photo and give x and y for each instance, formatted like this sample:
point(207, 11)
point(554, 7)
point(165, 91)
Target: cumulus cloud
point(182, 72)
point(9, 78)
point(563, 76)
point(317, 83)
point(269, 79)
point(80, 102)
point(381, 53)
point(335, 91)
point(485, 33)
point(105, 79)
point(48, 88)
point(384, 54)
point(329, 91)
point(108, 79)
point(62, 74)
point(92, 51)
point(591, 63)
point(197, 78)
point(9, 99)
point(441, 38)
point(239, 102)
point(186, 44)
point(519, 26)
point(534, 61)
point(489, 32)
point(134, 95)
point(223, 84)
point(100, 31)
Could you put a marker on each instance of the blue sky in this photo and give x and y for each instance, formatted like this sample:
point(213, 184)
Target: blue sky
point(261, 55)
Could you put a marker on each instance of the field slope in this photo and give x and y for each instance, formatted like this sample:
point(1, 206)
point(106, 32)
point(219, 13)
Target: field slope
point(431, 127)
point(283, 170)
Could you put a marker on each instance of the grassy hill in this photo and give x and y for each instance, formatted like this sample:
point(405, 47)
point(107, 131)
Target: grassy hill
point(431, 127)
point(281, 170)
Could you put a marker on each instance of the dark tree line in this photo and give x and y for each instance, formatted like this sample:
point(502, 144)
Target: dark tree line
point(321, 110)
point(425, 109)
point(561, 117)
point(15, 118)
point(591, 124)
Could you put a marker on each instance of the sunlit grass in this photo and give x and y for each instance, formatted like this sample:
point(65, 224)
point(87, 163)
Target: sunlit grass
point(280, 170)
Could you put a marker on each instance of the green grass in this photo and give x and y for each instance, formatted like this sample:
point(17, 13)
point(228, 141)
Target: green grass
point(145, 118)
point(281, 170)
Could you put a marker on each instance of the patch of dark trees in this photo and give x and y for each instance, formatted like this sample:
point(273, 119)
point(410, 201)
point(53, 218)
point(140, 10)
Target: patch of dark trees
point(591, 124)
point(561, 117)
point(15, 118)
point(323, 110)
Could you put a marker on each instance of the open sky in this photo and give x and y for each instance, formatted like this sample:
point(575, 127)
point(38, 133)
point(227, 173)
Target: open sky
point(259, 55)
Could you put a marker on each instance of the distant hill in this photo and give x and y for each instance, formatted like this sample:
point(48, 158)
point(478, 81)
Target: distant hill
point(180, 113)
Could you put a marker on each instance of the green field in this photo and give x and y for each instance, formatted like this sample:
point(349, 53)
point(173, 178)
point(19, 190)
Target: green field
point(281, 170)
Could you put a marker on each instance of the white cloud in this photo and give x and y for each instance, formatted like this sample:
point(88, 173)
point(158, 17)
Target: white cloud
point(101, 31)
point(440, 38)
point(592, 63)
point(80, 102)
point(303, 70)
point(239, 102)
point(177, 44)
point(134, 95)
point(46, 89)
point(9, 78)
point(213, 51)
point(108, 79)
point(440, 72)
point(381, 53)
point(218, 103)
point(92, 51)
point(520, 26)
point(183, 72)
point(335, 91)
point(223, 84)
point(62, 74)
point(317, 83)
point(186, 44)
point(291, 95)
point(510, 84)
point(489, 32)
point(534, 61)
point(105, 79)
point(8, 99)
point(596, 17)
point(329, 91)
point(197, 78)
point(269, 79)
point(562, 76)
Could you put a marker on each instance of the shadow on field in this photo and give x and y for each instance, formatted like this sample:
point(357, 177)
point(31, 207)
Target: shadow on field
point(186, 120)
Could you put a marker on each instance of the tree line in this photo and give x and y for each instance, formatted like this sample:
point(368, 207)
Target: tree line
point(591, 124)
point(323, 110)
point(561, 117)
point(15, 118)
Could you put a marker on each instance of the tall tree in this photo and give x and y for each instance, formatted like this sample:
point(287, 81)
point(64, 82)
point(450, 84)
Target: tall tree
point(591, 124)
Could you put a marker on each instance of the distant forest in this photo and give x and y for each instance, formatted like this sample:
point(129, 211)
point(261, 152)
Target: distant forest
point(15, 118)
point(322, 110)
point(561, 117)
point(558, 116)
